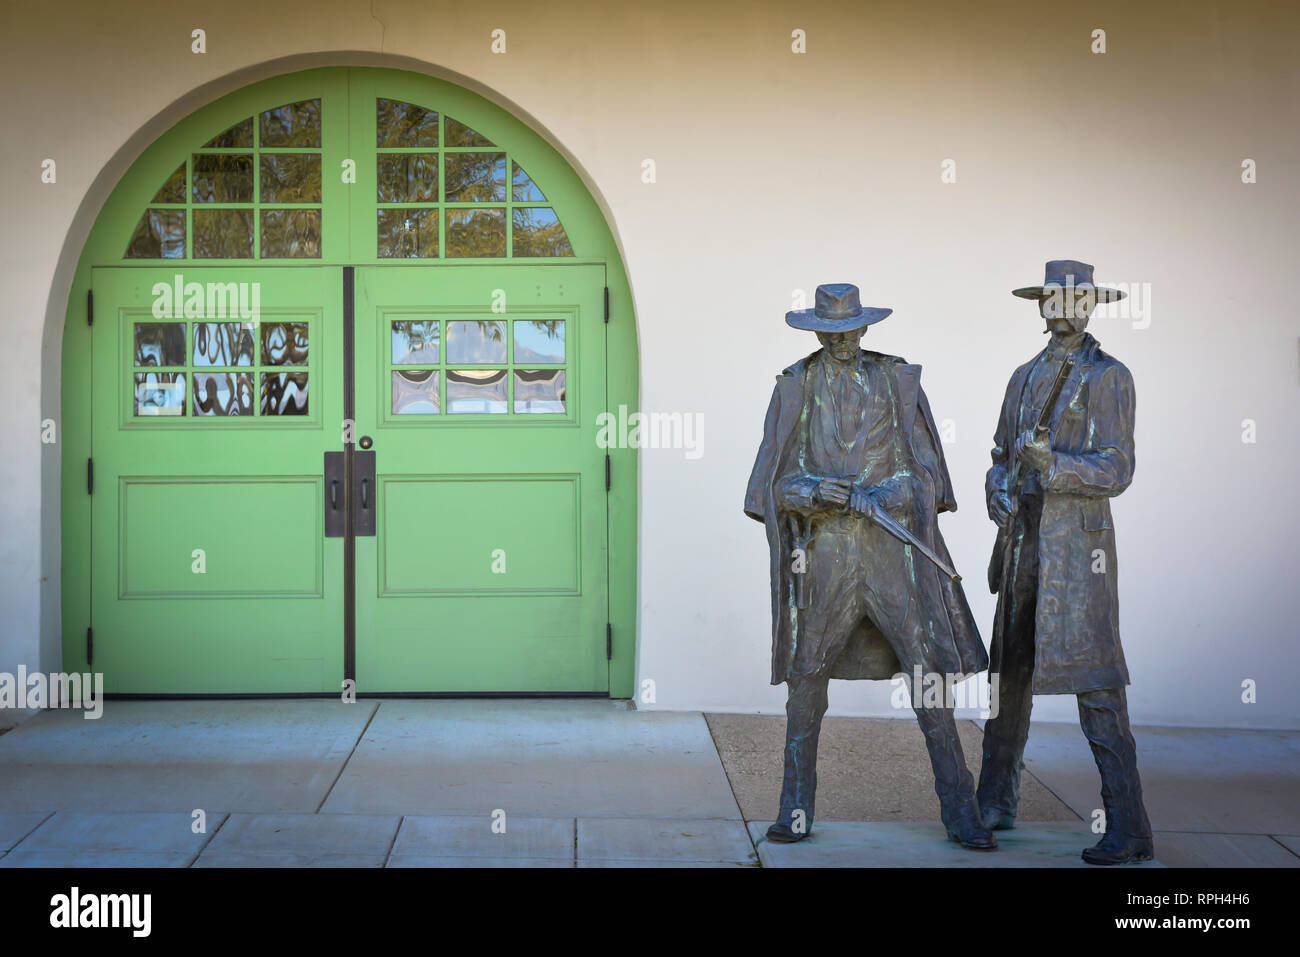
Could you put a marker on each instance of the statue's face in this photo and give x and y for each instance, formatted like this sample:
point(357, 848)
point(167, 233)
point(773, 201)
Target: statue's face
point(842, 346)
point(1067, 312)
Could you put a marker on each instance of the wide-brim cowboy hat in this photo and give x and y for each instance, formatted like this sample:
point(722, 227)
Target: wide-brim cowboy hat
point(836, 309)
point(1065, 274)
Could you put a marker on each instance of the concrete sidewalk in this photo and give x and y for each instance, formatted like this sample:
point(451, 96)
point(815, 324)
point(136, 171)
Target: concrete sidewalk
point(564, 783)
point(397, 783)
point(1215, 798)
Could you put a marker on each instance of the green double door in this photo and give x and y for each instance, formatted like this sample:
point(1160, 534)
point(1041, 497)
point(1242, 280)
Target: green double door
point(303, 474)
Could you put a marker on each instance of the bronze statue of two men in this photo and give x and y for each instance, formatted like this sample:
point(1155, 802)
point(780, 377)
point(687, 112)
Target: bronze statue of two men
point(849, 481)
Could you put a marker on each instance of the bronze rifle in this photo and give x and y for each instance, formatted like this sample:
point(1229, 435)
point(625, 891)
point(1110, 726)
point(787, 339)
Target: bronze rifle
point(1002, 549)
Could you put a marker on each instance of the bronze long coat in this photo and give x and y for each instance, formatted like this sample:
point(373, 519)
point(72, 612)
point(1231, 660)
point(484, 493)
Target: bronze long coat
point(955, 646)
point(1076, 636)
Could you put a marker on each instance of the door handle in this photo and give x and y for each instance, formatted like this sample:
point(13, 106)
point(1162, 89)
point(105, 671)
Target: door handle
point(363, 475)
point(334, 465)
point(358, 494)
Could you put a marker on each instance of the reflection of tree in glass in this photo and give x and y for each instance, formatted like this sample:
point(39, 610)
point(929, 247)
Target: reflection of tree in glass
point(403, 124)
point(476, 233)
point(223, 344)
point(284, 393)
point(241, 134)
point(160, 234)
point(476, 177)
point(415, 341)
point(294, 124)
point(539, 340)
point(172, 191)
point(476, 341)
point(290, 234)
point(491, 330)
point(160, 344)
point(209, 388)
point(458, 134)
point(290, 178)
point(538, 233)
point(284, 343)
point(408, 178)
point(408, 234)
point(223, 178)
point(223, 233)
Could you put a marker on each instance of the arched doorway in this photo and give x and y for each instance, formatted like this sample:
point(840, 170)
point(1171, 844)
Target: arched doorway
point(336, 389)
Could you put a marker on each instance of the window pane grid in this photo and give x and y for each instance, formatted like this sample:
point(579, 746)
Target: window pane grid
point(496, 177)
point(520, 363)
point(263, 378)
point(295, 231)
point(490, 227)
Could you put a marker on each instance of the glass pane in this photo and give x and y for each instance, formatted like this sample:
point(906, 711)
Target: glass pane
point(160, 234)
point(479, 341)
point(291, 234)
point(541, 341)
point(223, 234)
point(290, 177)
point(474, 233)
point(284, 393)
point(408, 177)
point(541, 390)
point(408, 234)
point(525, 190)
point(295, 124)
point(160, 343)
point(239, 135)
point(476, 390)
point(284, 344)
point(415, 392)
point(223, 178)
point(458, 134)
point(160, 393)
point(538, 232)
point(223, 344)
point(402, 124)
point(476, 177)
point(223, 393)
point(173, 191)
point(415, 342)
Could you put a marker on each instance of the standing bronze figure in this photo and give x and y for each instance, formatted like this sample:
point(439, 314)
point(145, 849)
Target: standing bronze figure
point(849, 481)
point(1063, 447)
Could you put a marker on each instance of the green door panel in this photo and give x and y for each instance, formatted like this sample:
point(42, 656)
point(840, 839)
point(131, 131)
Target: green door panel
point(165, 516)
point(489, 566)
point(210, 571)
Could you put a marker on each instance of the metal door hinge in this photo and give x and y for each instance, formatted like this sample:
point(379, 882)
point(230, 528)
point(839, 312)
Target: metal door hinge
point(607, 304)
point(90, 647)
point(90, 307)
point(90, 476)
point(609, 642)
point(609, 472)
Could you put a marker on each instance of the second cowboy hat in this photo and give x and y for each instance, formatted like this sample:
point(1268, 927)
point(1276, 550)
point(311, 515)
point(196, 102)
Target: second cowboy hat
point(836, 309)
point(1062, 274)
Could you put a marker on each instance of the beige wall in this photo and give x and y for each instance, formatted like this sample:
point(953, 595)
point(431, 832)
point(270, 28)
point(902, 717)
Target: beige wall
point(776, 172)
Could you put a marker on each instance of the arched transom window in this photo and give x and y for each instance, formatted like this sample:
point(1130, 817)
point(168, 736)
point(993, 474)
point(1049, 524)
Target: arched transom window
point(443, 191)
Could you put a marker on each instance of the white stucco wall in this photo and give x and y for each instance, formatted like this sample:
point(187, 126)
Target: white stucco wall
point(775, 172)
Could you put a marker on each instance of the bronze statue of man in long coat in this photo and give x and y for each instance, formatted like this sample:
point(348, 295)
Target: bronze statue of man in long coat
point(1061, 451)
point(849, 450)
